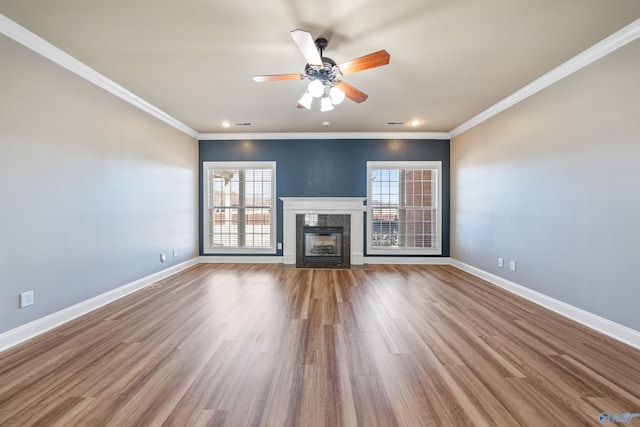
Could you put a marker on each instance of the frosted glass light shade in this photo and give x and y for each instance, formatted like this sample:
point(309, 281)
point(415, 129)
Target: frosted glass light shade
point(306, 100)
point(337, 95)
point(325, 104)
point(316, 88)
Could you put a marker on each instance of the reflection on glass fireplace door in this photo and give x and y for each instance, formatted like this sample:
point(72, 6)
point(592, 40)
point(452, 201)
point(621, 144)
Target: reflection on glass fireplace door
point(323, 244)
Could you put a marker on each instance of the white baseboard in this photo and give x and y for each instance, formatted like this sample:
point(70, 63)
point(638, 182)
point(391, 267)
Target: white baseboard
point(614, 330)
point(600, 324)
point(407, 260)
point(39, 326)
point(240, 259)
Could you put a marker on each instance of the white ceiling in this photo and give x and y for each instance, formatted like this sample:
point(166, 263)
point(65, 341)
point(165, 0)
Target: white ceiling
point(195, 59)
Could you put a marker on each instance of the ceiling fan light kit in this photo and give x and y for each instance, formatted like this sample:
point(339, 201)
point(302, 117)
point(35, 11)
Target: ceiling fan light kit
point(306, 100)
point(316, 88)
point(325, 75)
point(337, 95)
point(325, 103)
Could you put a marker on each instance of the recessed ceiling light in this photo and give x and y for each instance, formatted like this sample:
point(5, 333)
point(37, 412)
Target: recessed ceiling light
point(325, 123)
point(415, 122)
point(226, 124)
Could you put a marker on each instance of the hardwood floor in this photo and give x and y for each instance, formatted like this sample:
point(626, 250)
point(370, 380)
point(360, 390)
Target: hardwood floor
point(254, 345)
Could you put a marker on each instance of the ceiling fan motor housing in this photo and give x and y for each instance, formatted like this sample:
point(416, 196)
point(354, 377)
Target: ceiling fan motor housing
point(329, 71)
point(327, 74)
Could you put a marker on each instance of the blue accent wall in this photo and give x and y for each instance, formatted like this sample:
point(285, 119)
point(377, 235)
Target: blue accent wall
point(328, 167)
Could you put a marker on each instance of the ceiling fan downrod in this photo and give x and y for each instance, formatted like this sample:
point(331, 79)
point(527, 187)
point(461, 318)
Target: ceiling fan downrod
point(328, 72)
point(321, 44)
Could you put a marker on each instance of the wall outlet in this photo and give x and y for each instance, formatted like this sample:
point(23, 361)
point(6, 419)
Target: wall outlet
point(163, 257)
point(26, 299)
point(501, 262)
point(512, 265)
point(279, 245)
point(175, 253)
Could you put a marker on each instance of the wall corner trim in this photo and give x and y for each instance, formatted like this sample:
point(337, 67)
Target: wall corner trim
point(21, 35)
point(614, 330)
point(39, 326)
point(615, 41)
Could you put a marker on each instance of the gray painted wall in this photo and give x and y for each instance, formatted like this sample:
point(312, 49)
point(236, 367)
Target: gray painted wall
point(553, 183)
point(92, 190)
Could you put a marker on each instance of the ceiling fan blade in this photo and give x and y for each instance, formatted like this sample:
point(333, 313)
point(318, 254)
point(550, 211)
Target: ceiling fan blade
point(352, 93)
point(276, 77)
point(307, 46)
point(375, 59)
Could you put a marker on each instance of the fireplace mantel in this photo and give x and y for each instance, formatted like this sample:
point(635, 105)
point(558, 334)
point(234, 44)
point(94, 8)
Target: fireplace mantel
point(353, 206)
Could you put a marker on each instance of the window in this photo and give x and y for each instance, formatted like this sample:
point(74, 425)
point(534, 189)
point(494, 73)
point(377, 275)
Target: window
point(239, 207)
point(403, 213)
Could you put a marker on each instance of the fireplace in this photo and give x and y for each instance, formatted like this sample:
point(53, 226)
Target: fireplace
point(346, 212)
point(323, 239)
point(322, 244)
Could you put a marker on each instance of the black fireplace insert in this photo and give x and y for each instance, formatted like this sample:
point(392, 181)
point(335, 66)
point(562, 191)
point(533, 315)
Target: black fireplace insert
point(322, 244)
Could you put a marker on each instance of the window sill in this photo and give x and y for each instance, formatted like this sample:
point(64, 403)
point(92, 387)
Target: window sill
point(239, 251)
point(403, 252)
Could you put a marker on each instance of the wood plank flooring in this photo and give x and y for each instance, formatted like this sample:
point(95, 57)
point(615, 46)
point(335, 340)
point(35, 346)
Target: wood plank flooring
point(254, 345)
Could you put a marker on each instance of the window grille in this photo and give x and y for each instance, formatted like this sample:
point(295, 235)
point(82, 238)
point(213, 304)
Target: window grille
point(240, 208)
point(402, 206)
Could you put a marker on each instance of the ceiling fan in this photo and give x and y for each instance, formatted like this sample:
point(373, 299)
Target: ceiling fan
point(325, 75)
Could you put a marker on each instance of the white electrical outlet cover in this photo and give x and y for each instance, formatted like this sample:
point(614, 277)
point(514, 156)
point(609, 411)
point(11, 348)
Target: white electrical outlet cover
point(26, 299)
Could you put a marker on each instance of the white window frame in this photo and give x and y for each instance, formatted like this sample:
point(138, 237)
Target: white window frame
point(377, 250)
point(206, 166)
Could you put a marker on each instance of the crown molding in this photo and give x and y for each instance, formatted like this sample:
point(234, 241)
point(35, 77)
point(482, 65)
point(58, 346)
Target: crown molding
point(32, 41)
point(615, 41)
point(323, 135)
point(39, 45)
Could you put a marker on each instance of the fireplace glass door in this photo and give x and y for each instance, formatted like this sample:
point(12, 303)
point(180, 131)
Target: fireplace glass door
point(322, 244)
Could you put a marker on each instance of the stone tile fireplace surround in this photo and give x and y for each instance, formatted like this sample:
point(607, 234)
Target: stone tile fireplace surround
point(339, 224)
point(351, 206)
